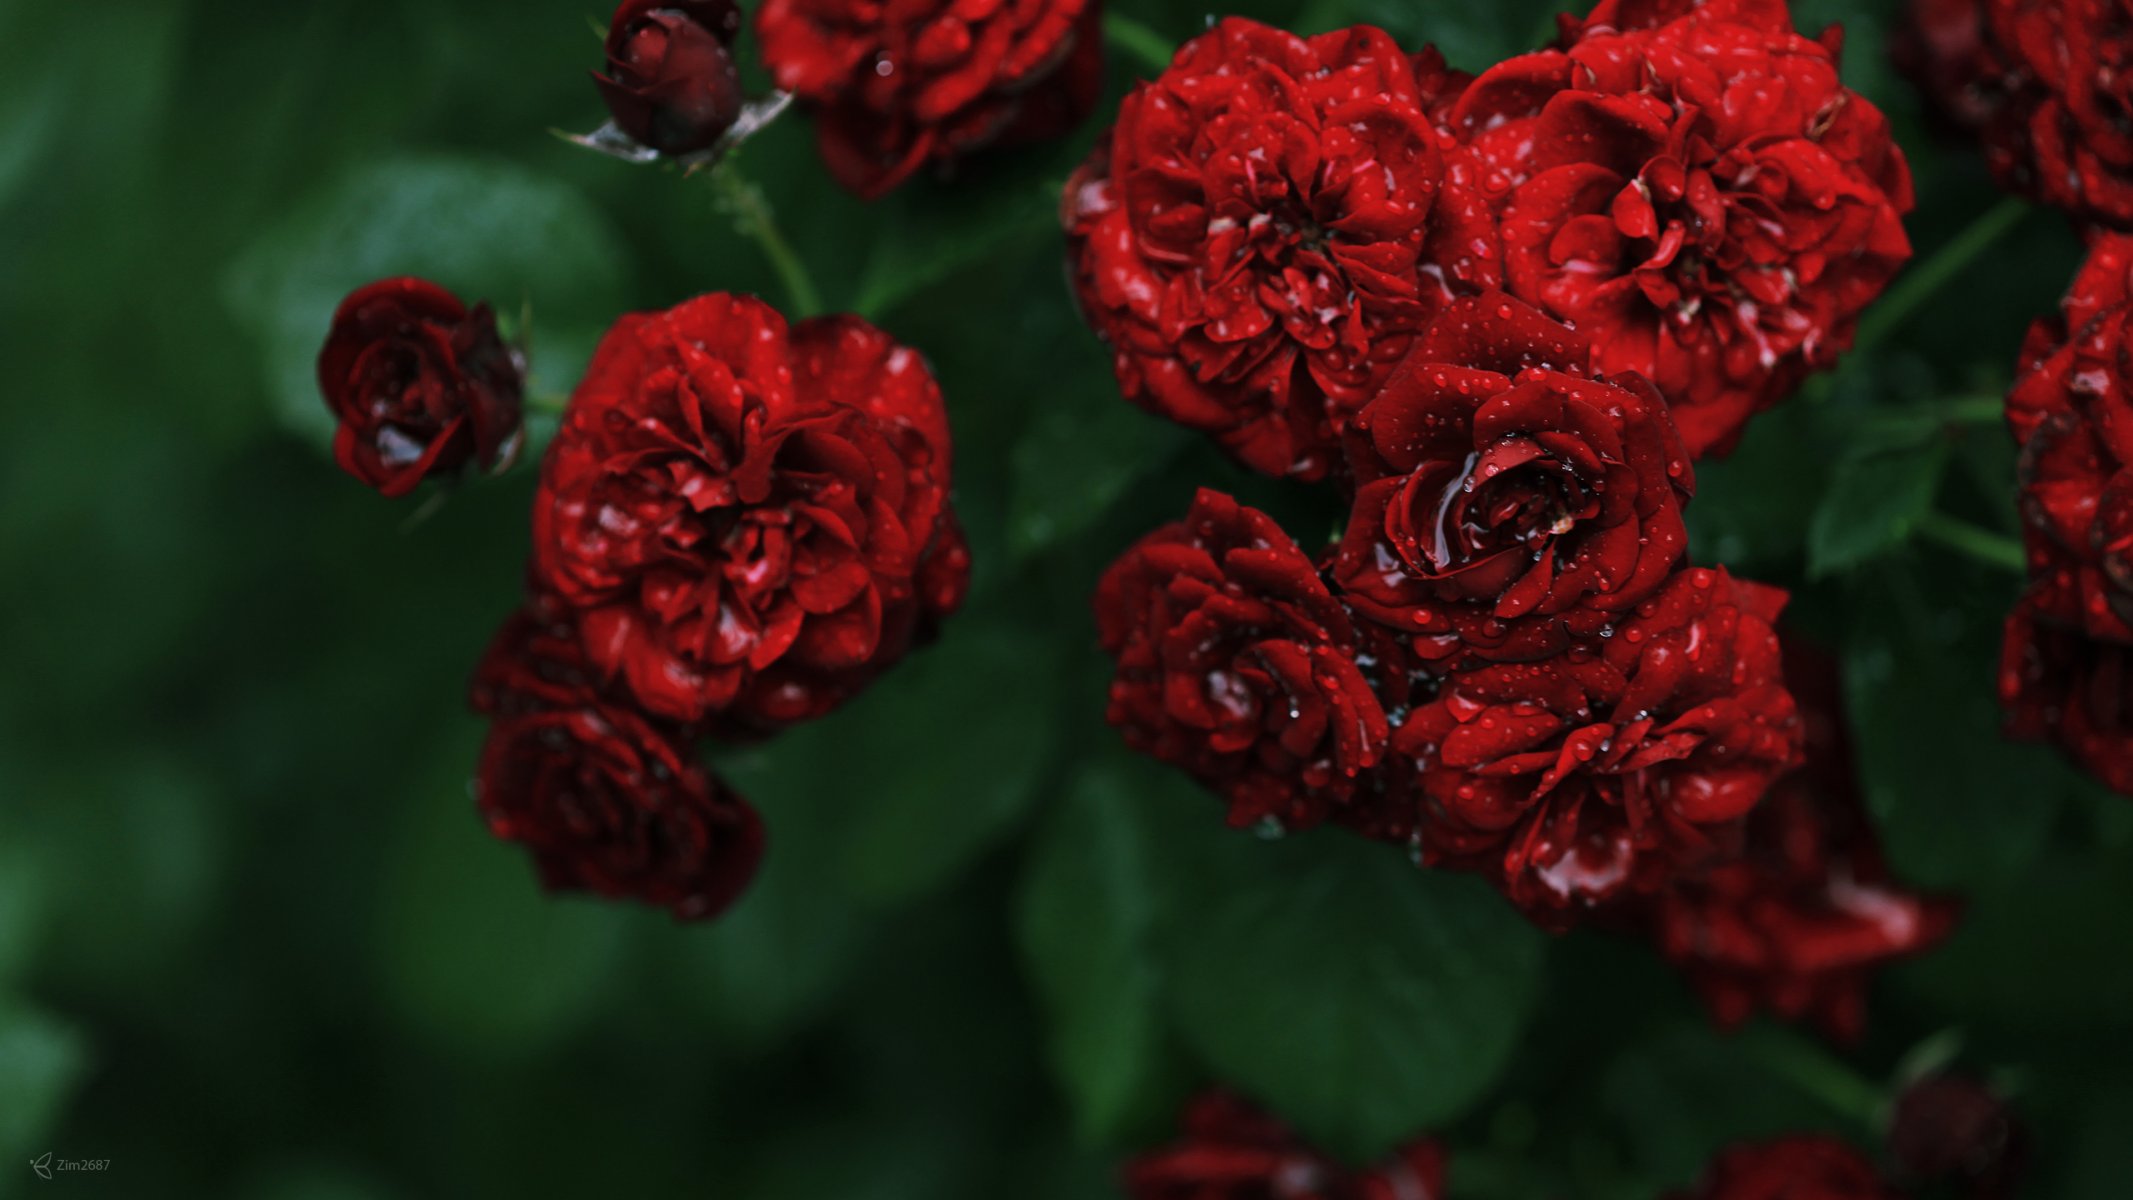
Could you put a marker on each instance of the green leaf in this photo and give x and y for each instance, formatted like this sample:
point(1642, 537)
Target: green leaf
point(932, 765)
point(771, 964)
point(1752, 507)
point(1363, 999)
point(928, 234)
point(42, 1060)
point(1082, 451)
point(1680, 1096)
point(474, 952)
point(1874, 503)
point(1086, 919)
point(1958, 805)
point(487, 230)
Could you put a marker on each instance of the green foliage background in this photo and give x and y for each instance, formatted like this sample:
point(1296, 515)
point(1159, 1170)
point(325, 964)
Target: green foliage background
point(254, 944)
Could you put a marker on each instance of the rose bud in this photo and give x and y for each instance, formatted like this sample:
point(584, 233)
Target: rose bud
point(605, 799)
point(1264, 228)
point(1228, 1150)
point(1237, 664)
point(747, 520)
point(1793, 1168)
point(671, 83)
point(420, 384)
point(1945, 1128)
point(1616, 765)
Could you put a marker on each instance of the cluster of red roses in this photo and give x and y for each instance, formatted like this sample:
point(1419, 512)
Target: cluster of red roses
point(1502, 315)
point(1943, 1129)
point(739, 524)
point(2044, 86)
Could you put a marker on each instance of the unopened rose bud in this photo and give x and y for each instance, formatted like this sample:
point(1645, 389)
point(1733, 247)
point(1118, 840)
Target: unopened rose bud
point(671, 83)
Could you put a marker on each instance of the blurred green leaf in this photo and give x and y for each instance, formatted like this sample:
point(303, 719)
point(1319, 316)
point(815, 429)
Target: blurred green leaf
point(927, 234)
point(771, 964)
point(1752, 507)
point(474, 952)
point(487, 230)
point(1080, 454)
point(1086, 919)
point(1957, 804)
point(1361, 998)
point(1874, 503)
point(1678, 1097)
point(42, 1061)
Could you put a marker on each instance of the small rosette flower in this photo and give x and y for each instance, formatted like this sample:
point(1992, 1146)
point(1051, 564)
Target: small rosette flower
point(671, 83)
point(1229, 1150)
point(1504, 503)
point(420, 385)
point(2057, 114)
point(896, 87)
point(603, 799)
point(1237, 664)
point(1792, 1168)
point(749, 521)
point(1801, 918)
point(1956, 1131)
point(2061, 686)
point(1693, 187)
point(1617, 765)
point(1262, 230)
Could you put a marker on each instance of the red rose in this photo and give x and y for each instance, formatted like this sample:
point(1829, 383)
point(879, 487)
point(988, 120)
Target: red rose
point(1236, 663)
point(2061, 686)
point(605, 800)
point(420, 384)
point(1504, 505)
point(748, 523)
point(671, 83)
point(1942, 47)
point(1616, 765)
point(1801, 1167)
point(1799, 921)
point(2062, 134)
point(1693, 187)
point(895, 87)
point(1229, 1150)
point(1264, 228)
point(1948, 1128)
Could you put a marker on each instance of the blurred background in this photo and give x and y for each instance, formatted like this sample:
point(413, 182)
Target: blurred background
point(254, 942)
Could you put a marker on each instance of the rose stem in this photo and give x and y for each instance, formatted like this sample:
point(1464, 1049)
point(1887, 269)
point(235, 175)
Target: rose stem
point(1973, 410)
point(1992, 549)
point(1139, 41)
point(752, 219)
point(1929, 276)
point(1816, 1072)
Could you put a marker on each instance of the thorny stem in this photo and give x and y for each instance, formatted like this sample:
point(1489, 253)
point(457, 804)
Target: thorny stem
point(751, 214)
point(1929, 276)
point(1138, 40)
point(1983, 545)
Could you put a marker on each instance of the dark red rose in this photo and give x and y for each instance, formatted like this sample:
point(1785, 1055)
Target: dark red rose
point(1503, 504)
point(1693, 187)
point(1265, 227)
point(2062, 131)
point(1799, 921)
point(1229, 1150)
point(894, 87)
point(671, 82)
point(1945, 1128)
point(421, 385)
point(2061, 686)
point(1802, 1167)
point(1620, 763)
point(1236, 663)
point(749, 523)
point(1942, 47)
point(605, 800)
